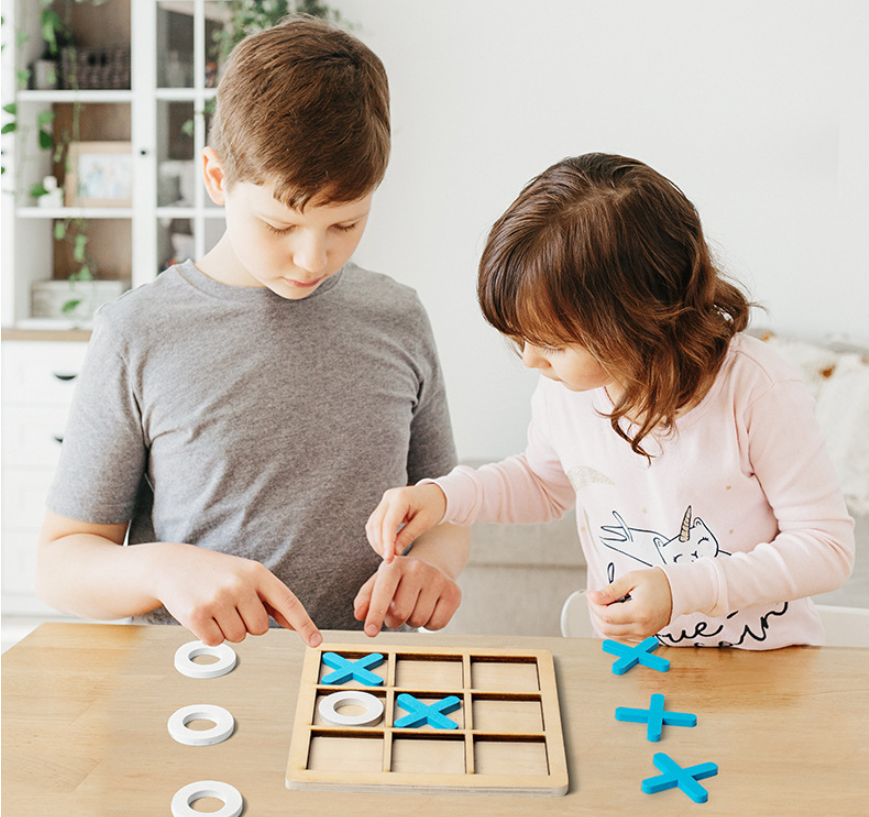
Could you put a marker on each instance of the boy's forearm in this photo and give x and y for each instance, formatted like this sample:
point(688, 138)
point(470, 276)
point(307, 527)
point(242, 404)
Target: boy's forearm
point(93, 577)
point(444, 546)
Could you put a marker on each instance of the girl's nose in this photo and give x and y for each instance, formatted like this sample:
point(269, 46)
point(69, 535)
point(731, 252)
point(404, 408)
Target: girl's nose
point(532, 358)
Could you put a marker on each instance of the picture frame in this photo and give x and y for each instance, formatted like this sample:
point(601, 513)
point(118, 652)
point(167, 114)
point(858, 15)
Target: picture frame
point(99, 174)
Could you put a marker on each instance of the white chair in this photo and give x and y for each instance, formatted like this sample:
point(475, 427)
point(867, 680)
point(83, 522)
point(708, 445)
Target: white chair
point(845, 626)
point(576, 618)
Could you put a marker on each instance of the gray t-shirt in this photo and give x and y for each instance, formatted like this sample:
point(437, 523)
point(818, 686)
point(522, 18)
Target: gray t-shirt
point(236, 420)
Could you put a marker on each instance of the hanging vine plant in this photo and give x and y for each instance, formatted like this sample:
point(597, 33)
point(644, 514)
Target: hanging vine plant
point(251, 16)
point(57, 66)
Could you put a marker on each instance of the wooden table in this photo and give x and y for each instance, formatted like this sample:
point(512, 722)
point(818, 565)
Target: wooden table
point(85, 710)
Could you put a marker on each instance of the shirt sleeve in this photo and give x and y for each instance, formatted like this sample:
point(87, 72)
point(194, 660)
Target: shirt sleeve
point(103, 456)
point(813, 551)
point(432, 450)
point(523, 489)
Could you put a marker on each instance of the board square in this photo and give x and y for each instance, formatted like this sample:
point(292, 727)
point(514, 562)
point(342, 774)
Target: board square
point(507, 740)
point(507, 715)
point(353, 655)
point(352, 754)
point(424, 673)
point(343, 709)
point(457, 715)
point(505, 676)
point(510, 757)
point(418, 755)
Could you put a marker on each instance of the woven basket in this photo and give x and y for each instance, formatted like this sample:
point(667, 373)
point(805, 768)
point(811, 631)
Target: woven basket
point(89, 69)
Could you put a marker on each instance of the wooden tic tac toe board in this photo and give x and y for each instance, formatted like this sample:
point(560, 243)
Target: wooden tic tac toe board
point(508, 738)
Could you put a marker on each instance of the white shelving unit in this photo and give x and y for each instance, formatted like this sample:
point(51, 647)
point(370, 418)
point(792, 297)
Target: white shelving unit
point(170, 85)
point(170, 79)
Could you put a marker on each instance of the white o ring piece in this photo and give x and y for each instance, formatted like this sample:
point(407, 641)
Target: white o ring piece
point(225, 655)
point(222, 729)
point(232, 802)
point(372, 705)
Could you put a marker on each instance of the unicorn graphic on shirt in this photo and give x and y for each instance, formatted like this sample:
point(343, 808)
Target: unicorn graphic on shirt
point(694, 541)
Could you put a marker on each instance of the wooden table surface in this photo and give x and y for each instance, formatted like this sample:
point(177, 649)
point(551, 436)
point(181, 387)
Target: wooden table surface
point(85, 710)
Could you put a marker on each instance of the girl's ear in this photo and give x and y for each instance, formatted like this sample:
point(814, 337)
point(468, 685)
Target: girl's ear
point(212, 173)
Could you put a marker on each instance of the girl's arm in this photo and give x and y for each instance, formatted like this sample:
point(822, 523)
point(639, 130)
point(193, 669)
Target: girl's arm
point(420, 588)
point(523, 489)
point(813, 551)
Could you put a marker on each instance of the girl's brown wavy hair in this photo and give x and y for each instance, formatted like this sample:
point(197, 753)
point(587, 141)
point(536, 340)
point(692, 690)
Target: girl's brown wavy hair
point(603, 252)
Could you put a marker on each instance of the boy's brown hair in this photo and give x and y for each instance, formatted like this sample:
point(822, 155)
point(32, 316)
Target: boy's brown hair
point(604, 252)
point(303, 106)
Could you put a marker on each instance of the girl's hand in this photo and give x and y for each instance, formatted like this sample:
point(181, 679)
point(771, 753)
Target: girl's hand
point(407, 591)
point(218, 596)
point(644, 613)
point(418, 508)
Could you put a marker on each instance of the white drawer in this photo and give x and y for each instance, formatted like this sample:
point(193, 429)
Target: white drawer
point(24, 494)
point(41, 371)
point(32, 435)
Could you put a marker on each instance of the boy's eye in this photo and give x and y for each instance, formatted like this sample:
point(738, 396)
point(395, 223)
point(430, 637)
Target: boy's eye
point(551, 350)
point(279, 230)
point(346, 228)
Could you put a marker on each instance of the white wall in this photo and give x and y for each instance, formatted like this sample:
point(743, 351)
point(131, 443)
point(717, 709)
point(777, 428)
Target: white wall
point(756, 108)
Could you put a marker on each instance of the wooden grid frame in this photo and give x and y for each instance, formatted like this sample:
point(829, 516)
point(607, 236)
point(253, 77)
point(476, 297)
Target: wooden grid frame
point(509, 739)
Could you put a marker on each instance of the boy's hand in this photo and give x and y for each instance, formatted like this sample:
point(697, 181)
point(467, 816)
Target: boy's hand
point(218, 596)
point(407, 591)
point(417, 507)
point(647, 611)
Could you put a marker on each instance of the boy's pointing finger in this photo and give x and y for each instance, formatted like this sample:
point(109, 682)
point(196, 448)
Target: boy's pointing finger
point(288, 611)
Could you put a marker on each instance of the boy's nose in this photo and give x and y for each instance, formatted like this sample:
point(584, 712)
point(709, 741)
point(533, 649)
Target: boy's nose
point(310, 255)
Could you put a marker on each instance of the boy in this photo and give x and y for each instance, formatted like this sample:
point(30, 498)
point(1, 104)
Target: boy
point(229, 411)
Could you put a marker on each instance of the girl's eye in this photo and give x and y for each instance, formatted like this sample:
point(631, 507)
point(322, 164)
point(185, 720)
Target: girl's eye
point(551, 350)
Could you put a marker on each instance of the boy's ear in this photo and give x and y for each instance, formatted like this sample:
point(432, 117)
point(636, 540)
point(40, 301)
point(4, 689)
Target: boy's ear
point(212, 173)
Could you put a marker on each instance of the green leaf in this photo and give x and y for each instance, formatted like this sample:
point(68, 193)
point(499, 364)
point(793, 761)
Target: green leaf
point(9, 127)
point(51, 23)
point(38, 190)
point(44, 118)
point(70, 306)
point(11, 108)
point(46, 140)
point(59, 231)
point(84, 274)
point(81, 242)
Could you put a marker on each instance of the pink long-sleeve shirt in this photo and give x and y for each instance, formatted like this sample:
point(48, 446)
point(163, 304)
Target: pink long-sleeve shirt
point(740, 506)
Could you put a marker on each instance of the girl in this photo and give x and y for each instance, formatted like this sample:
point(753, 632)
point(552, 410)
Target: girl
point(708, 509)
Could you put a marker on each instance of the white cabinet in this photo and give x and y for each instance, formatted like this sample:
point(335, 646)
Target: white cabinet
point(38, 380)
point(160, 119)
point(155, 210)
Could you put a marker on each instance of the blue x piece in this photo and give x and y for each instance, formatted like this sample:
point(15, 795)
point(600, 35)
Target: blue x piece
point(655, 716)
point(674, 775)
point(630, 656)
point(432, 714)
point(347, 670)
